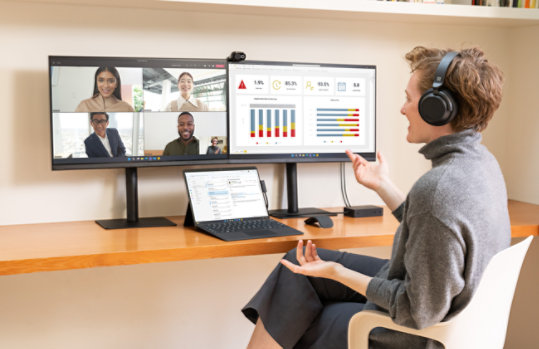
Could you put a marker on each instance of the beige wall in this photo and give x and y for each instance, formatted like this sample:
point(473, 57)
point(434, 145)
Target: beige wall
point(28, 37)
point(521, 162)
point(196, 304)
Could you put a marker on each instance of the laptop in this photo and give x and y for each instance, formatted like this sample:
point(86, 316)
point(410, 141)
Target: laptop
point(229, 204)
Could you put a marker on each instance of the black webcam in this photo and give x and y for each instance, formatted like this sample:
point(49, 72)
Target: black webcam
point(236, 56)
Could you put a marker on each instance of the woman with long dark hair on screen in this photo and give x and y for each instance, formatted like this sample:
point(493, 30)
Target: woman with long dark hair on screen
point(107, 95)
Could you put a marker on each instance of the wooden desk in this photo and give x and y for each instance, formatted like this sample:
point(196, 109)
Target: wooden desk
point(31, 248)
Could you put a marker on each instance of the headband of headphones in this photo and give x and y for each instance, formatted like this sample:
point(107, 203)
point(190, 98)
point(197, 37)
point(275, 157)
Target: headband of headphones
point(439, 75)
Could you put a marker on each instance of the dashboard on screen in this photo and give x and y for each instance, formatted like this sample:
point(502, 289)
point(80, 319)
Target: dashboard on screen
point(294, 112)
point(132, 112)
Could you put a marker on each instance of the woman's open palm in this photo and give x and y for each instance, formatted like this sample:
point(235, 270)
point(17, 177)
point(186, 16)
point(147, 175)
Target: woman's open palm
point(310, 263)
point(370, 174)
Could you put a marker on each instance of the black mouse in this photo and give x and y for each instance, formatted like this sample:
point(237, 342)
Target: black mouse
point(322, 220)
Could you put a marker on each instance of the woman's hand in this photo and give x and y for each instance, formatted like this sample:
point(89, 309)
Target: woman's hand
point(375, 176)
point(369, 174)
point(310, 264)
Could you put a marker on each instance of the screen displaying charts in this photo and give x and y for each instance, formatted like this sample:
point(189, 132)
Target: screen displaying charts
point(290, 108)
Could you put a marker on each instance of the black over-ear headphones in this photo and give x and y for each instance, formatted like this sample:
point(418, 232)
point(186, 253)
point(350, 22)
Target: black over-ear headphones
point(437, 106)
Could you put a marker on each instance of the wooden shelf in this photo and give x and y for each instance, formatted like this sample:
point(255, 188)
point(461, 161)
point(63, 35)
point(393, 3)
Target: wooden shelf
point(338, 9)
point(73, 245)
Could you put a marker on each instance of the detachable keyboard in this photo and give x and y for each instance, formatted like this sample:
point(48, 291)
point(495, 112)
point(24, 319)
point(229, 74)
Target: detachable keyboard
point(244, 225)
point(247, 229)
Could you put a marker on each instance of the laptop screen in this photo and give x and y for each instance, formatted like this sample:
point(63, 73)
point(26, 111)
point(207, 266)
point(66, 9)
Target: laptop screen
point(225, 194)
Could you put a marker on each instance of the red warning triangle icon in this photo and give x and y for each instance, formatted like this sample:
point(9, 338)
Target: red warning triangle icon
point(242, 86)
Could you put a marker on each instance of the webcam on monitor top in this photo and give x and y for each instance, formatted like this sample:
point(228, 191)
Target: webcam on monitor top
point(236, 56)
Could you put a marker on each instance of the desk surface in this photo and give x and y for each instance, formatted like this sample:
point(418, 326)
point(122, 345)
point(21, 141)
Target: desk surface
point(31, 248)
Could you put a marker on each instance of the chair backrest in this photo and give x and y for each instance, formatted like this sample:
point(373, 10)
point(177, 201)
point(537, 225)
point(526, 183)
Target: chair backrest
point(483, 323)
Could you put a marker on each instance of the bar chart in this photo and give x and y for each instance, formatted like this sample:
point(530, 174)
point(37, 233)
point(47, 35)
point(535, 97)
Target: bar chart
point(337, 122)
point(272, 120)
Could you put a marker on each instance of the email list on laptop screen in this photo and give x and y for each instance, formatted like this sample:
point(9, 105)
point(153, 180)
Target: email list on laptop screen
point(226, 194)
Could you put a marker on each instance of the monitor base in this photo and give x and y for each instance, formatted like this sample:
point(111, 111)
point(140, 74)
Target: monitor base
point(140, 223)
point(302, 212)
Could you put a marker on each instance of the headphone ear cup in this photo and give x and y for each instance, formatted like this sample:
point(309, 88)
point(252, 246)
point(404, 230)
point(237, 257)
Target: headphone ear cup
point(437, 107)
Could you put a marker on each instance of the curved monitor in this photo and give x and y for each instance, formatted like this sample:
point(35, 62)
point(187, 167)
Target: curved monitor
point(300, 112)
point(111, 112)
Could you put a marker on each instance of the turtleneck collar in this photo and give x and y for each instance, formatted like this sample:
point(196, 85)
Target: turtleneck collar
point(455, 142)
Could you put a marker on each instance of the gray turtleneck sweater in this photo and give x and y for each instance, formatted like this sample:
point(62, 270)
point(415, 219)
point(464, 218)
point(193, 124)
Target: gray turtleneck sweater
point(453, 221)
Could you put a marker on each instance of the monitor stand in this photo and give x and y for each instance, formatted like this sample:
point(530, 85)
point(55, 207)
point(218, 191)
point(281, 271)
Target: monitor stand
point(292, 195)
point(133, 220)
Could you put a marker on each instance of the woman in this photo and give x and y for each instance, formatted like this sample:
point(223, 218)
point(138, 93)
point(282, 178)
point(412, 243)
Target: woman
point(186, 101)
point(107, 95)
point(213, 149)
point(452, 222)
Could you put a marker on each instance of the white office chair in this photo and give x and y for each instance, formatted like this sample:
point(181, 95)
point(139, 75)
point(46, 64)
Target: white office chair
point(482, 324)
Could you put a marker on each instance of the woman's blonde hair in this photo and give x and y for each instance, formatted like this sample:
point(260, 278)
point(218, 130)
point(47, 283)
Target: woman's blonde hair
point(475, 83)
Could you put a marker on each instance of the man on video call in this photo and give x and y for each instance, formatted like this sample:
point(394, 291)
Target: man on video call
point(104, 142)
point(186, 144)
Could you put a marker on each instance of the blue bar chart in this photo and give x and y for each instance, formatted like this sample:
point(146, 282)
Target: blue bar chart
point(337, 122)
point(274, 120)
